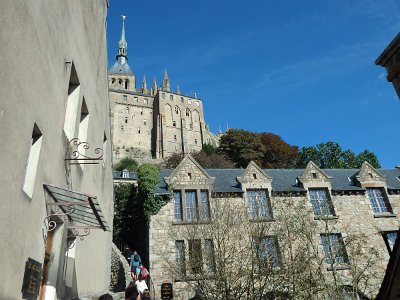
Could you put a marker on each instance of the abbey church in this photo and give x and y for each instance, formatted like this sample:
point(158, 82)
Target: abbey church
point(152, 123)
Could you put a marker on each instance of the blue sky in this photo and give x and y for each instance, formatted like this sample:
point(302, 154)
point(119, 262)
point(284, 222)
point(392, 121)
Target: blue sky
point(301, 69)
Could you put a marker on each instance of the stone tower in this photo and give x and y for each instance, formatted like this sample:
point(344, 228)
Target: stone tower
point(152, 123)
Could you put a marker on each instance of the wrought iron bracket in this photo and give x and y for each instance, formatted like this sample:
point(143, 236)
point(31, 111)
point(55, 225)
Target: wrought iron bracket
point(79, 231)
point(50, 224)
point(77, 153)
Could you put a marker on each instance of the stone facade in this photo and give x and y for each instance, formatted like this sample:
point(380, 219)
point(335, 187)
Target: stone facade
point(54, 90)
point(154, 122)
point(351, 213)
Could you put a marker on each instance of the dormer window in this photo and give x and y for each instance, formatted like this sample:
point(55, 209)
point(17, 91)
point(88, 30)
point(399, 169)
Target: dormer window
point(259, 205)
point(379, 201)
point(125, 173)
point(321, 202)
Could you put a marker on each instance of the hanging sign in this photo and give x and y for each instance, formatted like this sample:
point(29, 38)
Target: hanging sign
point(32, 278)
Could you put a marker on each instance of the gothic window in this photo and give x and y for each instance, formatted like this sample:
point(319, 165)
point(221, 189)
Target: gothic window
point(187, 112)
point(176, 110)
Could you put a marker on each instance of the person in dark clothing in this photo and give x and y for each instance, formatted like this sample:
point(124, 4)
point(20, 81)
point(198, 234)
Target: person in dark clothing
point(106, 297)
point(131, 293)
point(146, 295)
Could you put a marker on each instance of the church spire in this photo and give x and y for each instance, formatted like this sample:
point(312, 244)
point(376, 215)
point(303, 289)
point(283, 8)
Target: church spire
point(178, 90)
point(166, 84)
point(144, 85)
point(154, 87)
point(122, 55)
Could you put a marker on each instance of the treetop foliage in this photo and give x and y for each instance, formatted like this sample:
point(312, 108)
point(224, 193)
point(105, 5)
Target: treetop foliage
point(270, 151)
point(331, 156)
point(126, 163)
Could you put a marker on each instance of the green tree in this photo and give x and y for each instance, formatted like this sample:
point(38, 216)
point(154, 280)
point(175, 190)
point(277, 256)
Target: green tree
point(126, 163)
point(241, 147)
point(331, 156)
point(278, 153)
point(148, 177)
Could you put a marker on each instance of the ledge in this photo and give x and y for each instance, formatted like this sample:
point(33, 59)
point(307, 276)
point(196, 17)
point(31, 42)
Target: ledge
point(198, 222)
point(385, 215)
point(262, 220)
point(327, 217)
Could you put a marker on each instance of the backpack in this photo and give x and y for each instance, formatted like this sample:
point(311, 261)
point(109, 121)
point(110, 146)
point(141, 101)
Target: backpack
point(144, 272)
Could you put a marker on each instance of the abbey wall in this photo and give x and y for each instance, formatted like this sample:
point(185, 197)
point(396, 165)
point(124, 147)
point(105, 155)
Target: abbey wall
point(152, 123)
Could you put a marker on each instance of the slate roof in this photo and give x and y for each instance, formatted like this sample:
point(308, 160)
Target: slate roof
point(285, 179)
point(117, 68)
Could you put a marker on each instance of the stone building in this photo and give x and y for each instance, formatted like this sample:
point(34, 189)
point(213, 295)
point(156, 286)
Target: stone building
point(152, 122)
point(57, 209)
point(390, 60)
point(340, 204)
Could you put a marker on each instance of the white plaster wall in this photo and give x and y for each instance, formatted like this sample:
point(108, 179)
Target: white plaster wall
point(37, 38)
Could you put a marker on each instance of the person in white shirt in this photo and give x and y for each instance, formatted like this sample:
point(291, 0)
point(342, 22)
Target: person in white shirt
point(141, 284)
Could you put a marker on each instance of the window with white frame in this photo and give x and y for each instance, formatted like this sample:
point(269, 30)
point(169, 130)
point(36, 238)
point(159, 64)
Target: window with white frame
point(379, 201)
point(321, 202)
point(390, 239)
point(259, 206)
point(125, 173)
point(334, 249)
point(267, 252)
point(205, 204)
point(191, 206)
point(178, 206)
